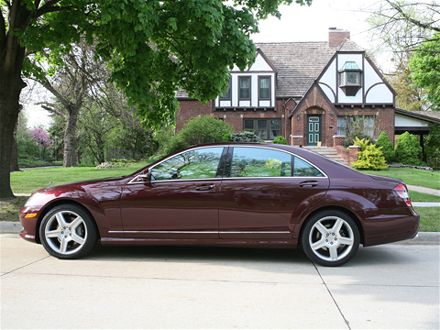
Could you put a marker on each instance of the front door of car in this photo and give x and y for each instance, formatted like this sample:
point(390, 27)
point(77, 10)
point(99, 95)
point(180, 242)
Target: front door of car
point(180, 199)
point(264, 190)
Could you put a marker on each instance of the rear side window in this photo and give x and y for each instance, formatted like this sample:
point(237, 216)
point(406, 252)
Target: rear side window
point(303, 168)
point(260, 162)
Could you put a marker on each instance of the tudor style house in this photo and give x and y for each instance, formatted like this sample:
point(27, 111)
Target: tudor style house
point(309, 92)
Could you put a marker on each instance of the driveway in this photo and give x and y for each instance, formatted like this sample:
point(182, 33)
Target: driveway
point(393, 286)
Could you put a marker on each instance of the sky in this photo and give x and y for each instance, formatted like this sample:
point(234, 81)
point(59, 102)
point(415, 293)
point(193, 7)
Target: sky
point(297, 23)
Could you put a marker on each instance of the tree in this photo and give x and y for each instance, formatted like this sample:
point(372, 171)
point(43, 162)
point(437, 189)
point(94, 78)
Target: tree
point(69, 77)
point(152, 47)
point(425, 69)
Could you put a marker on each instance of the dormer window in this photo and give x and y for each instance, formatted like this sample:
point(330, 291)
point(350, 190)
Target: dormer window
point(350, 78)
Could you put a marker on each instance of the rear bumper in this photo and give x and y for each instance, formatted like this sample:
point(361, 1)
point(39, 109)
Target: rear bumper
point(29, 231)
point(388, 230)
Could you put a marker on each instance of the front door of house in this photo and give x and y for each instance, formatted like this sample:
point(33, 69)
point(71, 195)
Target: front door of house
point(313, 129)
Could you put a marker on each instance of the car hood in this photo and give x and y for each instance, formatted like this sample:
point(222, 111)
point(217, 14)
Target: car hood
point(82, 185)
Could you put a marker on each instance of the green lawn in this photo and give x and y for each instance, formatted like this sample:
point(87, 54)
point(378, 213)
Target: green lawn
point(28, 180)
point(421, 197)
point(429, 218)
point(411, 176)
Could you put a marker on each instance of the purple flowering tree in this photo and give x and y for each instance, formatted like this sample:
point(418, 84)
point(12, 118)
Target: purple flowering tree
point(42, 139)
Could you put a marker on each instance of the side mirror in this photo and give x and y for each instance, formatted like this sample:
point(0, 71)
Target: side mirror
point(144, 178)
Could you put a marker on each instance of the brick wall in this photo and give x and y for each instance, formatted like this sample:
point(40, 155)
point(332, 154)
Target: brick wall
point(189, 109)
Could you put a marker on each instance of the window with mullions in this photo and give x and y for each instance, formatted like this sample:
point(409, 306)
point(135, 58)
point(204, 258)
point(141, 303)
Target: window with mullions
point(266, 129)
point(264, 88)
point(226, 96)
point(244, 88)
point(362, 125)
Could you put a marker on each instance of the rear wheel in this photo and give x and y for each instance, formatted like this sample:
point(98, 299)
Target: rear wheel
point(68, 232)
point(330, 238)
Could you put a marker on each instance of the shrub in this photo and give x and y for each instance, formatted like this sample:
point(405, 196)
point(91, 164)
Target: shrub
point(280, 140)
point(201, 130)
point(385, 143)
point(371, 158)
point(245, 136)
point(362, 143)
point(408, 149)
point(432, 147)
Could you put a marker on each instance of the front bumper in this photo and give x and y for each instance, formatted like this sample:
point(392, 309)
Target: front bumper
point(388, 230)
point(29, 224)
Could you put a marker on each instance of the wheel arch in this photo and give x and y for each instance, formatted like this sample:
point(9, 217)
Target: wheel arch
point(58, 202)
point(328, 208)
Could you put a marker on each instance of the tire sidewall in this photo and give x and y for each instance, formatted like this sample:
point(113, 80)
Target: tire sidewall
point(308, 227)
point(91, 231)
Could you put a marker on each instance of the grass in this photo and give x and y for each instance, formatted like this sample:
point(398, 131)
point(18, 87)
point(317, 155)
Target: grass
point(421, 197)
point(9, 208)
point(28, 180)
point(429, 218)
point(412, 176)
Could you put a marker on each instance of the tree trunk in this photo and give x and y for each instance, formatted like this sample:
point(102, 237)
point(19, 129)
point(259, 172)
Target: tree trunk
point(11, 62)
point(14, 152)
point(9, 108)
point(70, 155)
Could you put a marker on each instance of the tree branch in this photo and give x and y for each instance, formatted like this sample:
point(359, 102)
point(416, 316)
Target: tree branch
point(410, 19)
point(49, 107)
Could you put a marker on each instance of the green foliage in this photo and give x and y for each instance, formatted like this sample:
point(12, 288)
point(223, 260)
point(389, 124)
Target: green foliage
point(371, 158)
point(425, 67)
point(408, 149)
point(245, 136)
point(362, 143)
point(384, 142)
point(280, 140)
point(432, 147)
point(201, 130)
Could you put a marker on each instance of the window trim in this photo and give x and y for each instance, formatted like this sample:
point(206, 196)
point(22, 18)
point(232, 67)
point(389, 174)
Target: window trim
point(226, 161)
point(270, 88)
point(229, 97)
point(250, 88)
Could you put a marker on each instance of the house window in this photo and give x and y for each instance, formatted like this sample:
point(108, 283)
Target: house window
point(226, 96)
point(264, 87)
point(356, 126)
point(266, 129)
point(244, 88)
point(350, 78)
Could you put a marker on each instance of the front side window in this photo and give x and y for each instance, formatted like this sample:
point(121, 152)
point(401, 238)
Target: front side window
point(244, 88)
point(193, 164)
point(259, 162)
point(266, 129)
point(303, 168)
point(264, 88)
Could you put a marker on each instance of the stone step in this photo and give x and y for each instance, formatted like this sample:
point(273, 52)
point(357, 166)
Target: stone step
point(329, 153)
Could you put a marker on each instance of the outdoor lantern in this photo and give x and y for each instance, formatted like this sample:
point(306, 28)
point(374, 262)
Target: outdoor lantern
point(350, 78)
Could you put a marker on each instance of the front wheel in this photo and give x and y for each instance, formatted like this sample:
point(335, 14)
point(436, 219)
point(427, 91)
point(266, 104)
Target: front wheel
point(330, 238)
point(68, 232)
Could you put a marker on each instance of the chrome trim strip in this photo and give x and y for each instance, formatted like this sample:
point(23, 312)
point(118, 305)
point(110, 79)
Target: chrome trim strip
point(132, 181)
point(193, 232)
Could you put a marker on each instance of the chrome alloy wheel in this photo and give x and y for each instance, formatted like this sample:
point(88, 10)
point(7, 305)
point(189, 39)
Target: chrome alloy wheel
point(331, 238)
point(65, 232)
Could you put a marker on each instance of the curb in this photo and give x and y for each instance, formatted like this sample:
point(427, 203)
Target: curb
point(422, 238)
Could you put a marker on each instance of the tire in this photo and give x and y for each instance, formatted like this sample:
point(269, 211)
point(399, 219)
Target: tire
point(330, 238)
point(68, 232)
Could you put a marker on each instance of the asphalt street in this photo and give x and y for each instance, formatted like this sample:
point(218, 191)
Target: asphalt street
point(391, 286)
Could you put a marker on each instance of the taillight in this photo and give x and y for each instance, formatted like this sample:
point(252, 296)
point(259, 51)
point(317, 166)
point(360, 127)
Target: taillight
point(401, 190)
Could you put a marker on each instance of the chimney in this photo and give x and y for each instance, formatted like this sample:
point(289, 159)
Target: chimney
point(336, 37)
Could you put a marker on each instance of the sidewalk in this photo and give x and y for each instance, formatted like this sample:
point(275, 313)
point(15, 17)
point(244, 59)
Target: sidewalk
point(424, 190)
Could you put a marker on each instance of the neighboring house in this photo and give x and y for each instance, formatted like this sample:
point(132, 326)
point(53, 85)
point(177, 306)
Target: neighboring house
point(308, 92)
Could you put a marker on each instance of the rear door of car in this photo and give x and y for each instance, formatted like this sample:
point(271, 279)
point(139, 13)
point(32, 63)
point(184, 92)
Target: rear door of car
point(262, 190)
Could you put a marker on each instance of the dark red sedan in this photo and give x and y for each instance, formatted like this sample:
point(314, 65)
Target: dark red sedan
point(227, 195)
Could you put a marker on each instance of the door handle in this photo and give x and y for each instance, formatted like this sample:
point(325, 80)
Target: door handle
point(308, 183)
point(206, 187)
